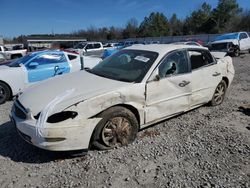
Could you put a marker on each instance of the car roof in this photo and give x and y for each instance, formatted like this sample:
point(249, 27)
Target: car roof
point(162, 49)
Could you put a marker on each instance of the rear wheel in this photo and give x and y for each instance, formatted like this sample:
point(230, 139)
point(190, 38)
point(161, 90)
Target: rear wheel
point(4, 93)
point(219, 93)
point(118, 127)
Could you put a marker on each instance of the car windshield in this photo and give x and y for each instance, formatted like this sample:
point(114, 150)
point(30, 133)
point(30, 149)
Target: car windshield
point(80, 45)
point(126, 65)
point(227, 36)
point(22, 60)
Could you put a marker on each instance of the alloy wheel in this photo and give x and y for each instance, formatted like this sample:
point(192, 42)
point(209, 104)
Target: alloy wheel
point(219, 94)
point(116, 132)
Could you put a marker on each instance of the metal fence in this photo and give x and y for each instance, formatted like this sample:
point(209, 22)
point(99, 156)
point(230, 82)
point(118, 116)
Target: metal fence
point(170, 39)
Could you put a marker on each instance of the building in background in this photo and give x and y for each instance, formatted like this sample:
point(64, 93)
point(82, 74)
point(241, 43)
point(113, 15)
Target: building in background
point(48, 42)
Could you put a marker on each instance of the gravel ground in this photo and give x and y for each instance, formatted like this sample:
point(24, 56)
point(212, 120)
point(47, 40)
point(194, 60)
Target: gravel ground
point(207, 147)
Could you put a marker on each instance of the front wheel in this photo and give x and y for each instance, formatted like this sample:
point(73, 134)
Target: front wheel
point(237, 52)
point(219, 93)
point(118, 127)
point(4, 93)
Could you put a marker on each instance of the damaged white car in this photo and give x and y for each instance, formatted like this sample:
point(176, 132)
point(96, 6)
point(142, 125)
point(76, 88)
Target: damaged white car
point(107, 105)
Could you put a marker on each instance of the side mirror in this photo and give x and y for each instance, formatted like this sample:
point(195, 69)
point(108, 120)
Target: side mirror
point(156, 78)
point(33, 65)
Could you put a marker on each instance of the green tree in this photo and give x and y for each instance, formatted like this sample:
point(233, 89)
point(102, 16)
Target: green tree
point(224, 12)
point(155, 25)
point(131, 29)
point(195, 22)
point(176, 26)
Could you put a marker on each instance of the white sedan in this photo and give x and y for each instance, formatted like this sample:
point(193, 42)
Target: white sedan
point(19, 74)
point(107, 105)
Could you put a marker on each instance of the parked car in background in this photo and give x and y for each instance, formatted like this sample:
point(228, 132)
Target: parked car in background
point(13, 54)
point(17, 47)
point(199, 41)
point(188, 43)
point(132, 89)
point(2, 57)
point(110, 45)
point(232, 43)
point(110, 51)
point(89, 48)
point(15, 76)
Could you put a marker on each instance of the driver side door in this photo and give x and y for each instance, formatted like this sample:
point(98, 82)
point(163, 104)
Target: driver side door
point(169, 94)
point(47, 65)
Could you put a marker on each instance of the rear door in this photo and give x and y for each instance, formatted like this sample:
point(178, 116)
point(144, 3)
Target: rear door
point(170, 94)
point(206, 75)
point(47, 65)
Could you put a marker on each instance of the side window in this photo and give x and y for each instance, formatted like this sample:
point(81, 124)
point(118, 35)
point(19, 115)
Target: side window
point(97, 45)
point(199, 58)
point(243, 36)
point(174, 63)
point(89, 46)
point(49, 59)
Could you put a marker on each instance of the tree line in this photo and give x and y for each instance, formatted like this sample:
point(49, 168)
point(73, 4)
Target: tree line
point(227, 16)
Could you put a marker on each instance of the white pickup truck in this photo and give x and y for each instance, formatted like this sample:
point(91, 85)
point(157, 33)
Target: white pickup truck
point(13, 54)
point(232, 43)
point(89, 48)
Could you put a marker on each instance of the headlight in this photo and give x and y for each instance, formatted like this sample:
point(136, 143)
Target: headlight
point(61, 116)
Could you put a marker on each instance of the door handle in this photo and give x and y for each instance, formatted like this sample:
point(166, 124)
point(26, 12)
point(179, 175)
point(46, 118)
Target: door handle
point(216, 74)
point(56, 69)
point(184, 83)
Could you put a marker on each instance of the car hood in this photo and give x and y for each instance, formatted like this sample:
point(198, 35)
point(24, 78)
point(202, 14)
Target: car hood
point(225, 41)
point(3, 66)
point(84, 85)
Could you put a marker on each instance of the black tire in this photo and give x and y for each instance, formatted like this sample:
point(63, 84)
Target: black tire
point(118, 127)
point(236, 52)
point(219, 93)
point(4, 93)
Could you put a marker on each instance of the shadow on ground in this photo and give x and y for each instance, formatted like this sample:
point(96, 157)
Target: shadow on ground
point(245, 109)
point(12, 146)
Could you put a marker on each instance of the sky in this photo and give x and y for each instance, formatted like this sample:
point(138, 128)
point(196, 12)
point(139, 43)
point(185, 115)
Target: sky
point(65, 16)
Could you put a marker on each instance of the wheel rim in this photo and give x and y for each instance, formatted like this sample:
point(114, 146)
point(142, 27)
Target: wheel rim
point(219, 94)
point(237, 52)
point(116, 132)
point(2, 94)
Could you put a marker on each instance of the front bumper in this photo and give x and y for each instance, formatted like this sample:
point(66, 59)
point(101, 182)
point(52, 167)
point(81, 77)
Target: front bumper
point(69, 135)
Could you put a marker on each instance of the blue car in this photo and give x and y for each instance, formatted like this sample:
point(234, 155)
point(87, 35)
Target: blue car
point(15, 76)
